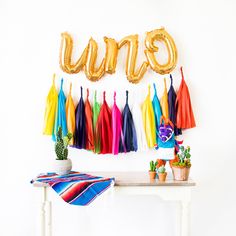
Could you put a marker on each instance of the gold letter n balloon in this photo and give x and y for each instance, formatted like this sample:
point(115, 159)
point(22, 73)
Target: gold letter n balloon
point(162, 36)
point(111, 55)
point(132, 75)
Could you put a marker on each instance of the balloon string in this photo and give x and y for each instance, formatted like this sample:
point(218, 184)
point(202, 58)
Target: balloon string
point(81, 91)
point(95, 95)
point(127, 94)
point(70, 88)
point(165, 83)
point(61, 83)
point(171, 79)
point(53, 79)
point(87, 93)
point(149, 90)
point(104, 95)
point(115, 97)
point(155, 90)
point(182, 74)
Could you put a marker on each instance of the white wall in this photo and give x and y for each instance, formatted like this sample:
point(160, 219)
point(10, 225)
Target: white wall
point(205, 34)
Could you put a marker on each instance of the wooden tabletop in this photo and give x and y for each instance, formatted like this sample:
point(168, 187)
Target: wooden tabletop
point(128, 179)
point(141, 179)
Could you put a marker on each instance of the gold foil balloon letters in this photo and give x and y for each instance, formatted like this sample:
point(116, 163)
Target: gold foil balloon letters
point(87, 60)
point(66, 54)
point(131, 74)
point(111, 55)
point(162, 36)
point(91, 72)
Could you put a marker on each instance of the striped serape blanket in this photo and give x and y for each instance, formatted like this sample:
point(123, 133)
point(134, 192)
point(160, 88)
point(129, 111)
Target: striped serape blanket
point(76, 188)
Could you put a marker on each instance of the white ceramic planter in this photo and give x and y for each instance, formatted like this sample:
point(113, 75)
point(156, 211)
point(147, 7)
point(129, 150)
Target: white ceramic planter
point(62, 167)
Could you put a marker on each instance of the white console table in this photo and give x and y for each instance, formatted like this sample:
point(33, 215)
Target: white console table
point(133, 183)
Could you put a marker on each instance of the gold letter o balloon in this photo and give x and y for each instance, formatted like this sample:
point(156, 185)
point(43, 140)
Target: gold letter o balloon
point(162, 36)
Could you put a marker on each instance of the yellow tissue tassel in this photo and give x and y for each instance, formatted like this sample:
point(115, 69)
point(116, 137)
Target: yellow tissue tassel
point(70, 115)
point(149, 120)
point(50, 110)
point(164, 102)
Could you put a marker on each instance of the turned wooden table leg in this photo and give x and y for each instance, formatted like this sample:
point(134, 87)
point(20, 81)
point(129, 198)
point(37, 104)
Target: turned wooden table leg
point(49, 218)
point(46, 214)
point(42, 212)
point(185, 218)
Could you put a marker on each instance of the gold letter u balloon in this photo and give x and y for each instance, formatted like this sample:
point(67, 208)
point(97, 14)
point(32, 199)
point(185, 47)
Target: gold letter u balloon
point(88, 58)
point(66, 54)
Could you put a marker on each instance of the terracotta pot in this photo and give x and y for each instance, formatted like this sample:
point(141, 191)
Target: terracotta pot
point(180, 173)
point(162, 176)
point(152, 174)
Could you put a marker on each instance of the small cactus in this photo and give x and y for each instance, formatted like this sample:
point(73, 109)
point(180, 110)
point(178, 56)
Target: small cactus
point(162, 169)
point(184, 157)
point(61, 145)
point(153, 165)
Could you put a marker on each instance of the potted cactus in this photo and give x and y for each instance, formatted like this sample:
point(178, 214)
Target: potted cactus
point(152, 171)
point(162, 173)
point(181, 168)
point(62, 164)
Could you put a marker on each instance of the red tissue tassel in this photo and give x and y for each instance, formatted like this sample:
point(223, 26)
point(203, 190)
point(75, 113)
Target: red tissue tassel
point(184, 117)
point(89, 140)
point(104, 127)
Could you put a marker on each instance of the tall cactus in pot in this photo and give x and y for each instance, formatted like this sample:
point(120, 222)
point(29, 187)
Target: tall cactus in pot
point(61, 145)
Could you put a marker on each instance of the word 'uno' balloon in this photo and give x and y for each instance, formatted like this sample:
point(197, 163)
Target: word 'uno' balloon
point(87, 60)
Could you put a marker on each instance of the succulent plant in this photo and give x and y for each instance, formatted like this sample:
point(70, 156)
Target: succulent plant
point(153, 165)
point(184, 157)
point(162, 169)
point(61, 145)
